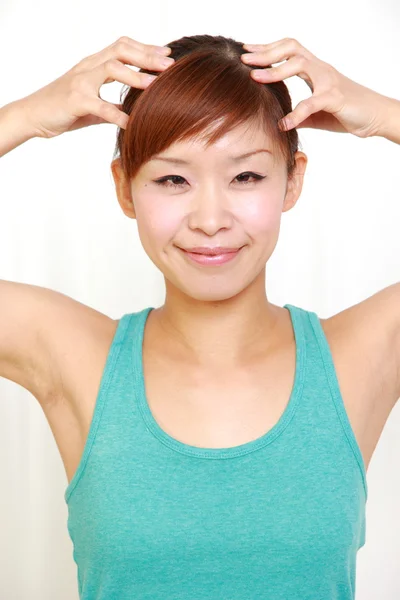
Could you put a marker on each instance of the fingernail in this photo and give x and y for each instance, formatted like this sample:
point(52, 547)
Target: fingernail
point(286, 124)
point(167, 62)
point(150, 78)
point(165, 50)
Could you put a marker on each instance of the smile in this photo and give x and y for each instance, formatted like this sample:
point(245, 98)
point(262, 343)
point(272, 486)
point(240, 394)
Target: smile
point(211, 260)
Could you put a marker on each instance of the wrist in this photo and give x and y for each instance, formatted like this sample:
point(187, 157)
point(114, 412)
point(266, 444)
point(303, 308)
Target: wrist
point(389, 126)
point(20, 114)
point(15, 126)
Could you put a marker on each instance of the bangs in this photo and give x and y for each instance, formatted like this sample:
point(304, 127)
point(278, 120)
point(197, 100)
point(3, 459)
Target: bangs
point(204, 94)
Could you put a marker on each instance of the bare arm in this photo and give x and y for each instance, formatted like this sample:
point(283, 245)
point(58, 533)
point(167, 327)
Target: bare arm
point(391, 123)
point(33, 350)
point(15, 128)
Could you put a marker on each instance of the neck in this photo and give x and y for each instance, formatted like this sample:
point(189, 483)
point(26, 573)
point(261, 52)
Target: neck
point(222, 334)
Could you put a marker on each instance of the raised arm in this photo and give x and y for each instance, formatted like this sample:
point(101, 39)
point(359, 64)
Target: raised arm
point(390, 127)
point(30, 316)
point(15, 127)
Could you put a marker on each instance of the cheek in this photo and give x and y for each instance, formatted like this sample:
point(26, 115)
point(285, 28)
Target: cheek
point(262, 214)
point(156, 222)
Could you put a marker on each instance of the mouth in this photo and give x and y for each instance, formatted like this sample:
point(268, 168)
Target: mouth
point(211, 259)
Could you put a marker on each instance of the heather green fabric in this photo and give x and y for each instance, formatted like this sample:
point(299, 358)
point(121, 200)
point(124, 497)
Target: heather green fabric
point(279, 518)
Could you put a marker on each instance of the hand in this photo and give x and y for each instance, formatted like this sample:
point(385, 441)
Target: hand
point(72, 101)
point(337, 104)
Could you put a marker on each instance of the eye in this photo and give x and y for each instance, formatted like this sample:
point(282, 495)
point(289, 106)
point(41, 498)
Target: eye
point(250, 174)
point(163, 180)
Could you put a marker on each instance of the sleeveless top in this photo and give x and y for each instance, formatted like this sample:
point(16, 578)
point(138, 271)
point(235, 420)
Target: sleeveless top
point(281, 517)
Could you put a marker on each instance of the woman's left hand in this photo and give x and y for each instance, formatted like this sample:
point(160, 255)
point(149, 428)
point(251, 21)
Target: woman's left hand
point(337, 104)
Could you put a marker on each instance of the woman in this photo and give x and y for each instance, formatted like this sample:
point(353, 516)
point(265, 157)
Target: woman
point(216, 446)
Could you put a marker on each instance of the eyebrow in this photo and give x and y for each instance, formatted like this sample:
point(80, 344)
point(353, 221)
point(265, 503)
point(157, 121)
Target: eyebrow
point(180, 161)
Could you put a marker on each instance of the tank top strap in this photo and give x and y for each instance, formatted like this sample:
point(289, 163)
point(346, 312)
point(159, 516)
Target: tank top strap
point(128, 332)
point(113, 408)
point(306, 324)
point(322, 401)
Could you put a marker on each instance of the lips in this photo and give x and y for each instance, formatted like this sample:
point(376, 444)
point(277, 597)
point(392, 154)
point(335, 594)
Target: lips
point(218, 250)
point(205, 258)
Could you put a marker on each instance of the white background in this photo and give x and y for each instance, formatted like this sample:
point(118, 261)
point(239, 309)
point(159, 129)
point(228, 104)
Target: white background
point(61, 227)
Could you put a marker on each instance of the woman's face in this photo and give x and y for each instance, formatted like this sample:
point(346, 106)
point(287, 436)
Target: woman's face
point(213, 199)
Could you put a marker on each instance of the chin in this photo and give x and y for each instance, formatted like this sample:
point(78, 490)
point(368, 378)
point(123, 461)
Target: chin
point(211, 296)
point(211, 289)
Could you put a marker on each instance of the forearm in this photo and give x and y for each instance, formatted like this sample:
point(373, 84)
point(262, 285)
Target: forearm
point(390, 125)
point(14, 126)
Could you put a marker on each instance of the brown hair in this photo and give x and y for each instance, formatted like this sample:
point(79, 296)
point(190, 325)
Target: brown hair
point(207, 83)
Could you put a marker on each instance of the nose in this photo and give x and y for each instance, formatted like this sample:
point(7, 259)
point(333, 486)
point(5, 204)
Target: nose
point(210, 210)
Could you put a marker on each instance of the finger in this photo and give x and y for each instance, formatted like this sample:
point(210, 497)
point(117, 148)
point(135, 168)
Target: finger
point(108, 112)
point(276, 53)
point(88, 120)
point(141, 56)
point(114, 70)
point(145, 59)
point(95, 120)
point(262, 47)
point(303, 110)
point(165, 50)
point(297, 65)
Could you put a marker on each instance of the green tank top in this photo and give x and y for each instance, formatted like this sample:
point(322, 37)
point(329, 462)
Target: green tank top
point(279, 518)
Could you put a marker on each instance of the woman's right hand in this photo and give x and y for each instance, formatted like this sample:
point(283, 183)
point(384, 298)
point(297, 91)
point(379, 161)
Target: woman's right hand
point(72, 101)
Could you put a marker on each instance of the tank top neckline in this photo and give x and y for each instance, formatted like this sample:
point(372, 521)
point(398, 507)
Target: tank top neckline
point(232, 451)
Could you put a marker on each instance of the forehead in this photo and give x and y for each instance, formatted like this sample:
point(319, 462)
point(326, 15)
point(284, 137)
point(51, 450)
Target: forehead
point(230, 148)
point(241, 137)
